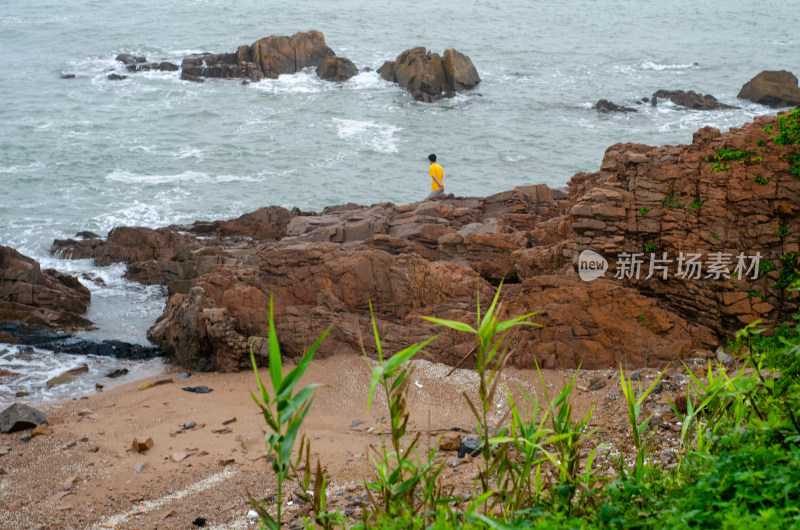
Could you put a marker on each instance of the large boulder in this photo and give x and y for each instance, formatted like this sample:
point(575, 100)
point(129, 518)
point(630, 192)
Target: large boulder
point(18, 417)
point(428, 76)
point(690, 99)
point(461, 74)
point(773, 89)
point(45, 298)
point(278, 55)
point(336, 69)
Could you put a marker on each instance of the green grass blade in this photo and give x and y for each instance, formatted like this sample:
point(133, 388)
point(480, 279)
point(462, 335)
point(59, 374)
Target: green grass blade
point(275, 368)
point(490, 312)
point(402, 356)
point(297, 372)
point(452, 324)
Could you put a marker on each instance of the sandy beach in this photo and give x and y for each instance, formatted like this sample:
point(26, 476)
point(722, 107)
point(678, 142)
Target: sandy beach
point(85, 474)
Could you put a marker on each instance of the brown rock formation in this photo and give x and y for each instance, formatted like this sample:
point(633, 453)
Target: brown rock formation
point(431, 258)
point(336, 69)
point(267, 57)
point(773, 89)
point(428, 76)
point(46, 298)
point(690, 99)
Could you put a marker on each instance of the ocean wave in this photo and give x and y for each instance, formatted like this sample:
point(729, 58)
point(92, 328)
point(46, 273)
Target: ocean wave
point(378, 136)
point(194, 177)
point(367, 80)
point(650, 65)
point(304, 82)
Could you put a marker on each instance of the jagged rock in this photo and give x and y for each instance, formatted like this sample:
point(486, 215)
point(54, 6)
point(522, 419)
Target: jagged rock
point(450, 441)
point(129, 59)
point(428, 76)
point(18, 417)
point(336, 69)
point(470, 447)
point(773, 89)
point(691, 100)
point(41, 430)
point(267, 57)
point(141, 447)
point(44, 298)
point(605, 105)
point(163, 66)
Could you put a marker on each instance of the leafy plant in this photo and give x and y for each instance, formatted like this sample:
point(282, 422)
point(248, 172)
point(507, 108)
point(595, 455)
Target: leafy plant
point(788, 128)
point(284, 412)
point(762, 143)
point(794, 164)
point(754, 293)
point(650, 247)
point(765, 266)
point(782, 229)
point(760, 180)
point(644, 210)
point(724, 155)
point(491, 355)
point(789, 273)
point(674, 201)
point(641, 441)
point(397, 475)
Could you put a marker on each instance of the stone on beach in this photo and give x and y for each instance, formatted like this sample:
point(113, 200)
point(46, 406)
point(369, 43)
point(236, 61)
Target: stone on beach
point(19, 417)
point(141, 447)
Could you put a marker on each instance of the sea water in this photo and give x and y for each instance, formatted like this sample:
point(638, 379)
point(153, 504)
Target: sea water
point(88, 153)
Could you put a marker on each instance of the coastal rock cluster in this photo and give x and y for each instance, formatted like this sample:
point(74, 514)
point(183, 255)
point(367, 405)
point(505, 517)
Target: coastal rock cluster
point(777, 89)
point(657, 205)
point(427, 76)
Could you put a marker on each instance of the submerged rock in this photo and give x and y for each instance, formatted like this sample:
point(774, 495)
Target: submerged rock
point(336, 69)
point(691, 100)
point(605, 105)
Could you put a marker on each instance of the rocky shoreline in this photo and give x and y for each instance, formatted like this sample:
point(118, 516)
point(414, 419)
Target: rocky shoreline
point(660, 205)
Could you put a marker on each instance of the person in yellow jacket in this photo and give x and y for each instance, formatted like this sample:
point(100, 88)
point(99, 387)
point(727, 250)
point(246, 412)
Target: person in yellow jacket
point(437, 178)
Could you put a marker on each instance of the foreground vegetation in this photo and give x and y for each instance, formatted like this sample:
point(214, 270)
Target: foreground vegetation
point(739, 466)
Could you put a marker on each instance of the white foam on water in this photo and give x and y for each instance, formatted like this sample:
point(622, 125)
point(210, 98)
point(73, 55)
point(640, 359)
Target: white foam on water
point(189, 152)
point(650, 65)
point(368, 81)
point(304, 82)
point(379, 137)
point(21, 169)
point(193, 177)
point(36, 366)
